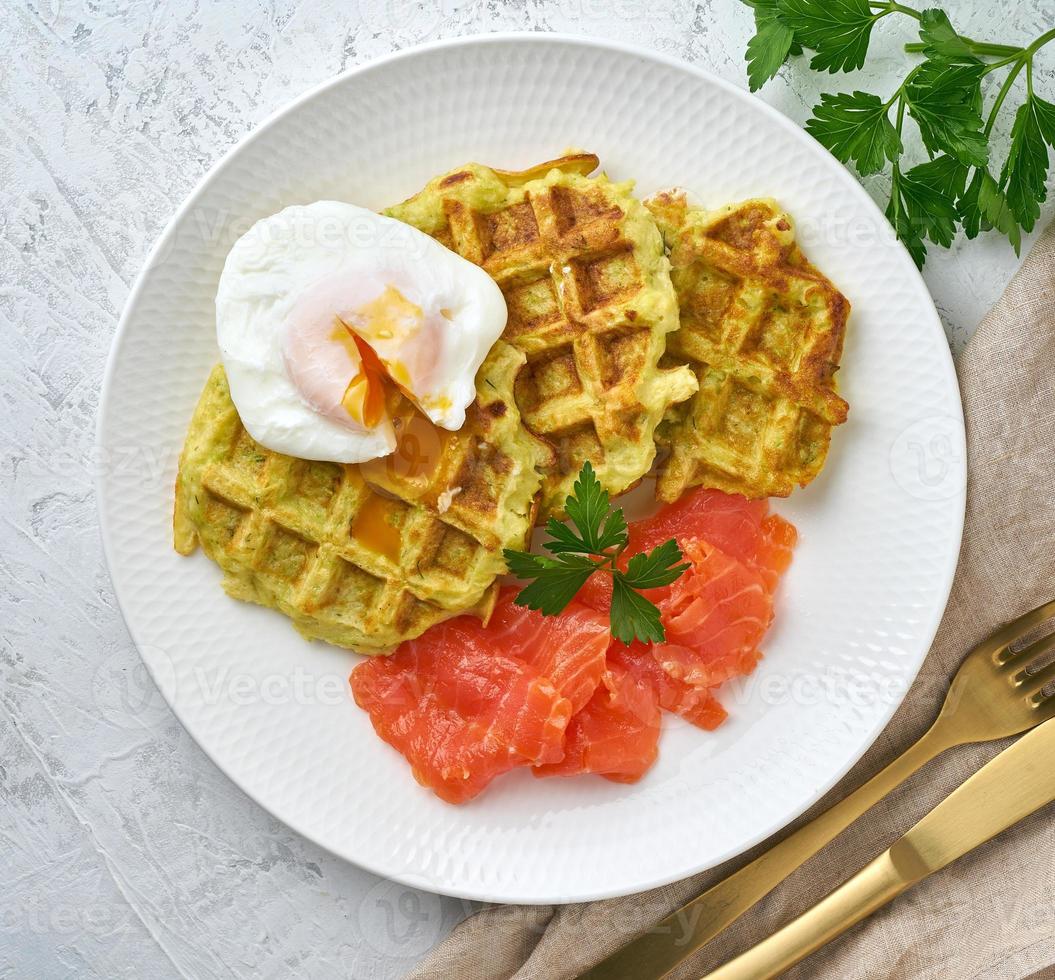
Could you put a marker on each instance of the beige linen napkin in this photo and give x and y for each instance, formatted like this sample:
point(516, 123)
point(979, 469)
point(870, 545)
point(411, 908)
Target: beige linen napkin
point(991, 916)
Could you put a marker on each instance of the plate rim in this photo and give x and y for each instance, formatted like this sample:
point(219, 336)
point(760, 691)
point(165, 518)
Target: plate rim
point(958, 501)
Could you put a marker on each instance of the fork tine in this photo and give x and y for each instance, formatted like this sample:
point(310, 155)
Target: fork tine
point(999, 642)
point(1021, 659)
point(1046, 710)
point(1035, 683)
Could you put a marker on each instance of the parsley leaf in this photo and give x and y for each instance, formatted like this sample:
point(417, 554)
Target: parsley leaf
point(565, 539)
point(633, 615)
point(923, 204)
point(772, 42)
point(1026, 167)
point(945, 99)
point(596, 528)
point(838, 30)
point(983, 205)
point(768, 49)
point(940, 38)
point(588, 505)
point(523, 564)
point(906, 226)
point(658, 567)
point(856, 128)
point(555, 584)
point(614, 533)
point(596, 544)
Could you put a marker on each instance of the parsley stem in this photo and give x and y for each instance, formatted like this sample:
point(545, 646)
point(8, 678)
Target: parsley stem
point(1022, 54)
point(895, 170)
point(893, 7)
point(1001, 95)
point(983, 48)
point(1003, 62)
point(897, 97)
point(1040, 42)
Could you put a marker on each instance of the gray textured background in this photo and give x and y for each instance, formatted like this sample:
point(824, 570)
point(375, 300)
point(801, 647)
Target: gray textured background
point(123, 851)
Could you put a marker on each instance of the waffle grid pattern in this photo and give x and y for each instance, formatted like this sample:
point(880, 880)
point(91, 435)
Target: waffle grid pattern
point(363, 557)
point(589, 304)
point(763, 332)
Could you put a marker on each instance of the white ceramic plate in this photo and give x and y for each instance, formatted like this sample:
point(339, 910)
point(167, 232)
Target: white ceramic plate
point(880, 529)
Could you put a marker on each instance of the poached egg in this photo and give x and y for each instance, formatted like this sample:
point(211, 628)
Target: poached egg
point(322, 307)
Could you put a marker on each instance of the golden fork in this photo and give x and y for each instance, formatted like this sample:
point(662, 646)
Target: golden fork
point(993, 695)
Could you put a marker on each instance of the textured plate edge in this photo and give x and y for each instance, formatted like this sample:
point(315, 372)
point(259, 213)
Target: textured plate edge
point(582, 41)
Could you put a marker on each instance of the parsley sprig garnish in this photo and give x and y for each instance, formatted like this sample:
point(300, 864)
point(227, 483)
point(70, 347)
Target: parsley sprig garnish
point(594, 544)
point(958, 186)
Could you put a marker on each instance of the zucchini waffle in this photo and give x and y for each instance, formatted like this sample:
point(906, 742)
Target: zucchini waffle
point(762, 330)
point(587, 285)
point(364, 556)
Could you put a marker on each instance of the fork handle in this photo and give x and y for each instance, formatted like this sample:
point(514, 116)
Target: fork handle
point(685, 930)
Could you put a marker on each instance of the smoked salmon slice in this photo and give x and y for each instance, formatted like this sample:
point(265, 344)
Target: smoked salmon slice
point(728, 521)
point(568, 649)
point(772, 556)
point(464, 704)
point(697, 705)
point(715, 616)
point(616, 735)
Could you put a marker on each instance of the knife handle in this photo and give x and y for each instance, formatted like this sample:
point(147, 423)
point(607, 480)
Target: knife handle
point(684, 931)
point(871, 888)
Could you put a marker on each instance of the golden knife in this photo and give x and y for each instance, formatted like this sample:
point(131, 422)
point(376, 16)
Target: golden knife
point(1019, 781)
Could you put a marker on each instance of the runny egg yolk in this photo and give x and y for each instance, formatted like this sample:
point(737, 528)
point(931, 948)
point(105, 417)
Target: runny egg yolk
point(364, 398)
point(391, 315)
point(375, 527)
point(348, 354)
point(388, 316)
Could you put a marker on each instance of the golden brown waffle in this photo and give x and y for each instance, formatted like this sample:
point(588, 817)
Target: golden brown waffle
point(590, 301)
point(763, 332)
point(364, 556)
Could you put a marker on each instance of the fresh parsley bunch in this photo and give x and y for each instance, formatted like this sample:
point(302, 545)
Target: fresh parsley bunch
point(595, 544)
point(958, 185)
